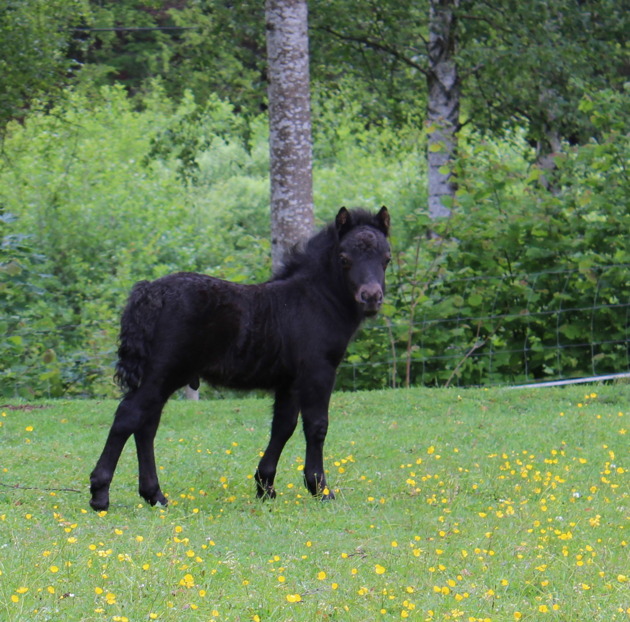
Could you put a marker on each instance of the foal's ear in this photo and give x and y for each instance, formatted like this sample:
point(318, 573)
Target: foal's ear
point(383, 220)
point(343, 221)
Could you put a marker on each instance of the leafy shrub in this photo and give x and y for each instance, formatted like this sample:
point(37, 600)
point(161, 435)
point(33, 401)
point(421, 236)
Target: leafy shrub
point(95, 212)
point(522, 283)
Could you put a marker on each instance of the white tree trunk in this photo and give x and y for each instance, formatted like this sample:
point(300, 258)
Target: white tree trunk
point(190, 393)
point(289, 125)
point(443, 106)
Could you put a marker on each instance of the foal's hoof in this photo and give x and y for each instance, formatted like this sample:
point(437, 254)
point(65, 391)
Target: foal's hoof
point(327, 495)
point(265, 492)
point(99, 505)
point(156, 499)
point(264, 489)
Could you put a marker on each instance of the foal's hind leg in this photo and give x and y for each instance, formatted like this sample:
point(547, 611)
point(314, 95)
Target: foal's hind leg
point(285, 415)
point(149, 486)
point(132, 414)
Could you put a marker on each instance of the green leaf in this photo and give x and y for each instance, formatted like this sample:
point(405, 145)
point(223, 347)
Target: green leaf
point(475, 300)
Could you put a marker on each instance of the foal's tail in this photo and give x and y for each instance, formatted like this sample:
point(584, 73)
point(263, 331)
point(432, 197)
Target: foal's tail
point(137, 330)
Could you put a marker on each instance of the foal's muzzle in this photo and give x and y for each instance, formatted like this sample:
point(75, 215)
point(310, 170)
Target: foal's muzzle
point(370, 298)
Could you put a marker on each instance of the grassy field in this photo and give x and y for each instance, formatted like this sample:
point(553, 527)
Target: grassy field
point(469, 505)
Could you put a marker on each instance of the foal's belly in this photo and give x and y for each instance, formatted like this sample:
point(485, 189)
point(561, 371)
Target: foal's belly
point(259, 376)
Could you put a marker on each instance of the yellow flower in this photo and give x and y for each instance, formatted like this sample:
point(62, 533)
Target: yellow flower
point(379, 569)
point(321, 575)
point(294, 598)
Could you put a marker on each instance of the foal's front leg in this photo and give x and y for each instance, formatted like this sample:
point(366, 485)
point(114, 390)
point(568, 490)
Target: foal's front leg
point(285, 415)
point(314, 404)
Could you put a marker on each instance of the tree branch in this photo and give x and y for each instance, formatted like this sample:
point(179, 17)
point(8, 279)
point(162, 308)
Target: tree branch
point(478, 344)
point(375, 45)
point(20, 487)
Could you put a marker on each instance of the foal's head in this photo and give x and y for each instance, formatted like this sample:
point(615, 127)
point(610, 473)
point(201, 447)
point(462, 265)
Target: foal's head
point(364, 254)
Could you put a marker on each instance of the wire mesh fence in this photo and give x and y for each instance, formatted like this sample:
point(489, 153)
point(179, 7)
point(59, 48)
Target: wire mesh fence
point(506, 329)
point(490, 330)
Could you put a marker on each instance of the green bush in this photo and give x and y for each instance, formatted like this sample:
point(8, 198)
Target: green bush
point(519, 284)
point(522, 283)
point(96, 210)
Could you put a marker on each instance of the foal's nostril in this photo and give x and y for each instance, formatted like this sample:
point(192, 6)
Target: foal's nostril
point(371, 295)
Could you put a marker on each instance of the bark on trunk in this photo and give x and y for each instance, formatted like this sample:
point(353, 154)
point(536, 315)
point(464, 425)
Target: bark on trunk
point(550, 143)
point(289, 125)
point(191, 394)
point(443, 106)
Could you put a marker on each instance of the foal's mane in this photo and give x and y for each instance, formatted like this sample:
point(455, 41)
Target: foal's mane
point(308, 257)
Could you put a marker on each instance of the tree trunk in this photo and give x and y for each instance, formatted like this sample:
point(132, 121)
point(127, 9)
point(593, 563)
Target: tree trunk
point(289, 125)
point(550, 143)
point(443, 106)
point(191, 394)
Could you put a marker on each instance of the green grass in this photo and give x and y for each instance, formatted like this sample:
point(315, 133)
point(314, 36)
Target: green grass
point(451, 505)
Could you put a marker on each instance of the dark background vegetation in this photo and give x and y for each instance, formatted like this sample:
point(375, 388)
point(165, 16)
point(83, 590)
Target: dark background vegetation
point(134, 143)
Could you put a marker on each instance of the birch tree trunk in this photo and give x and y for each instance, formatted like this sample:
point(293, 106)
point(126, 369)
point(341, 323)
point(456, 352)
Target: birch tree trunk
point(443, 106)
point(289, 125)
point(190, 393)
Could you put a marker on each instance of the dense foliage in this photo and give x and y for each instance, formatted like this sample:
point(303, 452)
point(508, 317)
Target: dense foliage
point(523, 283)
point(96, 194)
point(134, 143)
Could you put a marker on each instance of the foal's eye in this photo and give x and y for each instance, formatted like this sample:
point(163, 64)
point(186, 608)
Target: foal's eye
point(386, 261)
point(345, 261)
